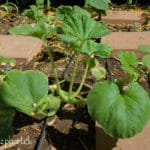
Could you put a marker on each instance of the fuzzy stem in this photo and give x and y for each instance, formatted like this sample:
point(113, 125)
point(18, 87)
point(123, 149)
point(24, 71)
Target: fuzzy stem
point(73, 76)
point(83, 79)
point(53, 68)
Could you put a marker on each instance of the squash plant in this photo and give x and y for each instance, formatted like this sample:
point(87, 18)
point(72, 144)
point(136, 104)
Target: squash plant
point(129, 2)
point(19, 91)
point(99, 4)
point(122, 106)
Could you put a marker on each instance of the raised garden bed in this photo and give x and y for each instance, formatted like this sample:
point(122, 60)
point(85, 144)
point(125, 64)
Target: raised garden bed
point(72, 128)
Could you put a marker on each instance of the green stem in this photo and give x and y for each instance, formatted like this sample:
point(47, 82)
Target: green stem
point(83, 79)
point(64, 96)
point(73, 76)
point(53, 69)
point(48, 3)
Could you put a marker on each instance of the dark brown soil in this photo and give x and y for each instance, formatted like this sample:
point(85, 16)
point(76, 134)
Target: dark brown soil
point(69, 130)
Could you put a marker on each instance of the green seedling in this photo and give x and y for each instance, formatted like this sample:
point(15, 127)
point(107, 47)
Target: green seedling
point(129, 63)
point(63, 11)
point(39, 30)
point(36, 14)
point(122, 111)
point(41, 4)
point(7, 6)
point(121, 107)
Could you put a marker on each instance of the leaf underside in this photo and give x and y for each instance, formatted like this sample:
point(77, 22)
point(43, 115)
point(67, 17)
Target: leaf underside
point(128, 61)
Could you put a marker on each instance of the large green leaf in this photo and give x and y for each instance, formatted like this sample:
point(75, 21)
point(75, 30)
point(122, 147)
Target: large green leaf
point(6, 120)
point(23, 89)
point(63, 11)
point(120, 113)
point(99, 4)
point(79, 30)
point(83, 27)
point(41, 30)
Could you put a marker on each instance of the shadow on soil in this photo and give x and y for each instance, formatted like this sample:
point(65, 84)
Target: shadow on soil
point(72, 131)
point(103, 140)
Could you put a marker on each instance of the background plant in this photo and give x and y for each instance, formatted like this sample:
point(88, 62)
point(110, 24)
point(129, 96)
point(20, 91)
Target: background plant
point(100, 6)
point(41, 4)
point(7, 6)
point(131, 1)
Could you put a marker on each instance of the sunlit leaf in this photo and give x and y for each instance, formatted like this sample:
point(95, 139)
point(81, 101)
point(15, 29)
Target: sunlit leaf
point(79, 30)
point(84, 27)
point(128, 61)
